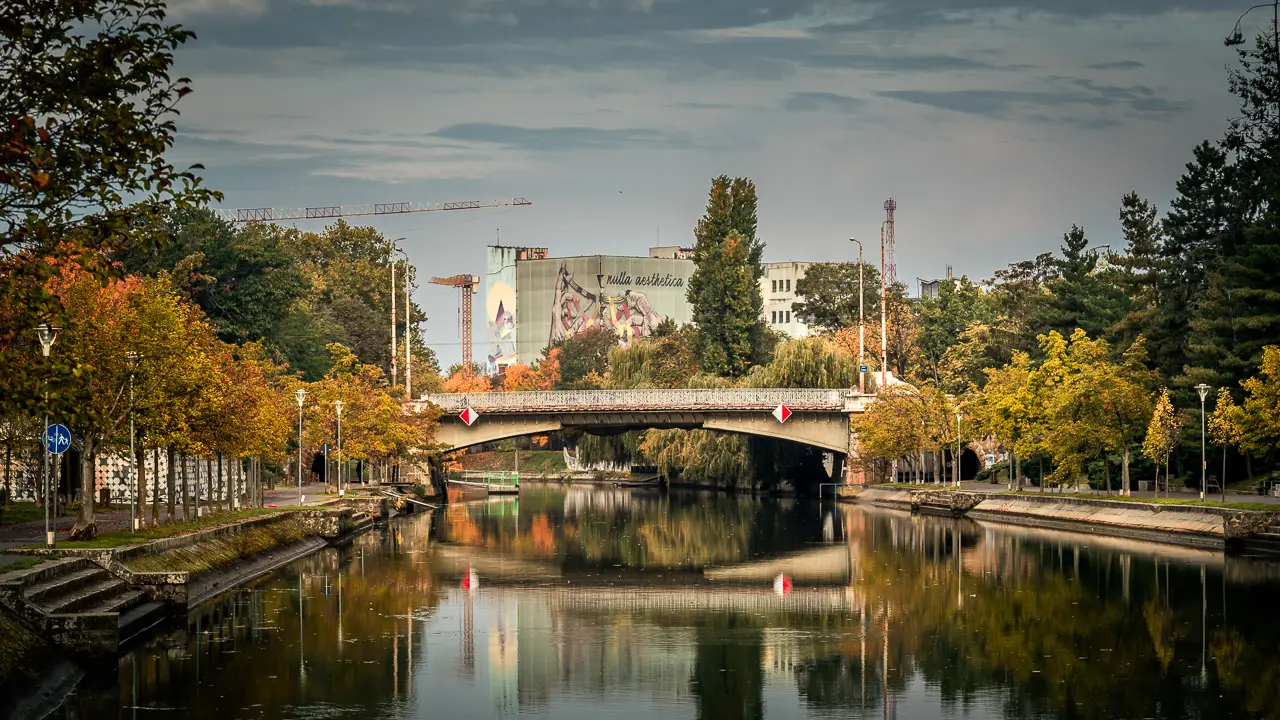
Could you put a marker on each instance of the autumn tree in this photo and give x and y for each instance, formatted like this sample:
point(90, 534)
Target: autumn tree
point(1162, 435)
point(87, 108)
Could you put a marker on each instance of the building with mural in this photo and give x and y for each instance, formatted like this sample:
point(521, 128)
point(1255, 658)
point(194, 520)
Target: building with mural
point(533, 301)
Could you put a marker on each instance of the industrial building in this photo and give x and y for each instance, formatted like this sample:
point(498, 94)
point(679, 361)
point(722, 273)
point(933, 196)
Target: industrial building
point(532, 300)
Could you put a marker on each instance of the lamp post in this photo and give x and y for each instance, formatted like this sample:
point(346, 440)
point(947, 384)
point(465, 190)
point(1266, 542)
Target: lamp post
point(47, 336)
point(301, 395)
point(884, 319)
point(959, 447)
point(337, 404)
point(394, 249)
point(861, 327)
point(408, 348)
point(133, 456)
point(1204, 391)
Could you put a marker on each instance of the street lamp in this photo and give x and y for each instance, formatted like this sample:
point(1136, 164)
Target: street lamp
point(408, 348)
point(133, 456)
point(47, 336)
point(1237, 38)
point(301, 395)
point(884, 317)
point(861, 327)
point(338, 405)
point(1204, 391)
point(394, 249)
point(959, 447)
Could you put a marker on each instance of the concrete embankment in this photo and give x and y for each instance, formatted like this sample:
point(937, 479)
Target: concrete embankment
point(91, 600)
point(1198, 526)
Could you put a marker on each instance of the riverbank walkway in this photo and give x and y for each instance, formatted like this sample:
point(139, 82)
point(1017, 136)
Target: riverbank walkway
point(1210, 499)
point(32, 532)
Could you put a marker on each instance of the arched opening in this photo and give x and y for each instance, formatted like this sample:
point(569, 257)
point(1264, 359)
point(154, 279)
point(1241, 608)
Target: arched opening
point(970, 464)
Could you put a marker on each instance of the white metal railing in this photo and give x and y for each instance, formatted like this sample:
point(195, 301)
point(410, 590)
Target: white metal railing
point(731, 399)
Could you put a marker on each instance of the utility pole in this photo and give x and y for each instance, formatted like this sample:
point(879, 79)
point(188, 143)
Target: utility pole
point(408, 335)
point(862, 329)
point(884, 320)
point(394, 249)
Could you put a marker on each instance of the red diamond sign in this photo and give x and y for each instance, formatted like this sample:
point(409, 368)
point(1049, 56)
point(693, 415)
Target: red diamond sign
point(782, 412)
point(469, 416)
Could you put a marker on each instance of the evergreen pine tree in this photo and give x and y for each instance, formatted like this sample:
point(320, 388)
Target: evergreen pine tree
point(1196, 228)
point(723, 290)
point(1138, 267)
point(1081, 298)
point(1240, 310)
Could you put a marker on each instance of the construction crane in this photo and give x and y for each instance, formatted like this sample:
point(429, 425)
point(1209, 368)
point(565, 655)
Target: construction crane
point(325, 212)
point(467, 284)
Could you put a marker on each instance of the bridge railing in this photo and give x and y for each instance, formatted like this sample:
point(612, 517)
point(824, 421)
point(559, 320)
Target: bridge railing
point(640, 400)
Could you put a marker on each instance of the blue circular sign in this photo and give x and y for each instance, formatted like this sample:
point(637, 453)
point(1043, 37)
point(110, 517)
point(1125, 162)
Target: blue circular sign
point(57, 439)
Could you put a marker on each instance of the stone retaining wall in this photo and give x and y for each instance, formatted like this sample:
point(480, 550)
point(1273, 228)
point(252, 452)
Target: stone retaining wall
point(1194, 526)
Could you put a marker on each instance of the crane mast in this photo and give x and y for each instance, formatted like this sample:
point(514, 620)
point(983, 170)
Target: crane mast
point(467, 284)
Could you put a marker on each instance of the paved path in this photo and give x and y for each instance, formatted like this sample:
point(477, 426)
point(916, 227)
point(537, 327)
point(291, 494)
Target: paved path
point(1231, 496)
point(27, 533)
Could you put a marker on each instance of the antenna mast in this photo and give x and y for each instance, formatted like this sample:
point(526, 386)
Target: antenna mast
point(891, 259)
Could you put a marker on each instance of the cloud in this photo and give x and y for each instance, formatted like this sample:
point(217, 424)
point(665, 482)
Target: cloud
point(821, 101)
point(559, 139)
point(1140, 101)
point(901, 63)
point(988, 103)
point(1118, 65)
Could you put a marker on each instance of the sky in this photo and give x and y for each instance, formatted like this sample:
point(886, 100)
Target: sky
point(996, 124)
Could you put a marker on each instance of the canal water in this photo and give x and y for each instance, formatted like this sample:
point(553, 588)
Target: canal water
point(619, 603)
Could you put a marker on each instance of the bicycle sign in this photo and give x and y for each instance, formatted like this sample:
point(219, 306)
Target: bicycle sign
point(57, 439)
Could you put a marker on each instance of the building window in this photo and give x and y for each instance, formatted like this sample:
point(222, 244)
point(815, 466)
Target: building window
point(788, 317)
point(774, 317)
point(788, 284)
point(774, 286)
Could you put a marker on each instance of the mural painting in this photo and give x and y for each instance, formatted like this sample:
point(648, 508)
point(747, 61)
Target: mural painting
point(575, 309)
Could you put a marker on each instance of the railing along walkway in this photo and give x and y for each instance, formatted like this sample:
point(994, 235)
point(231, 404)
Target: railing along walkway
point(730, 399)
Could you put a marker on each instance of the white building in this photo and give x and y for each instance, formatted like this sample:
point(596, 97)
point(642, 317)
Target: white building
point(778, 287)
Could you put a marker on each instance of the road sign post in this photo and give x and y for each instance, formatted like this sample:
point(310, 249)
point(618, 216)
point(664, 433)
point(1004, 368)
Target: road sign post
point(57, 439)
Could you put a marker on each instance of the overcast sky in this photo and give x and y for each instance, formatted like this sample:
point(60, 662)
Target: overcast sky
point(995, 123)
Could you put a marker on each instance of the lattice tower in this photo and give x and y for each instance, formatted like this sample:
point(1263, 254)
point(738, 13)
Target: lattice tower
point(890, 253)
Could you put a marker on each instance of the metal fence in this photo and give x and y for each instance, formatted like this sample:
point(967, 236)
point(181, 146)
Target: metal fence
point(643, 400)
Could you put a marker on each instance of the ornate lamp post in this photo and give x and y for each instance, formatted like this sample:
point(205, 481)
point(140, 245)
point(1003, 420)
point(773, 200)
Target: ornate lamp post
point(301, 395)
point(1204, 391)
point(47, 336)
point(337, 404)
point(133, 456)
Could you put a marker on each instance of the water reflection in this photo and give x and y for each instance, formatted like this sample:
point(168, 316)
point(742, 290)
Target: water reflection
point(624, 603)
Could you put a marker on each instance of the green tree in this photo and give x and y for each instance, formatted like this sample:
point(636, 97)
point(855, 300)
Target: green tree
point(1200, 224)
point(584, 354)
point(940, 324)
point(88, 107)
point(244, 279)
point(827, 295)
point(1082, 297)
point(723, 290)
point(1139, 266)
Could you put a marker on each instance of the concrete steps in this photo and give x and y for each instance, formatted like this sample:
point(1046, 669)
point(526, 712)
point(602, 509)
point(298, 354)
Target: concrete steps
point(79, 604)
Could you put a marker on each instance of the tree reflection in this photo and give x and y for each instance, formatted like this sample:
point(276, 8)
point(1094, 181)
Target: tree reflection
point(980, 620)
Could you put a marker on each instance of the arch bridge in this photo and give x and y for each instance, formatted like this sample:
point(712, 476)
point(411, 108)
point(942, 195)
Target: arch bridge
point(819, 418)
